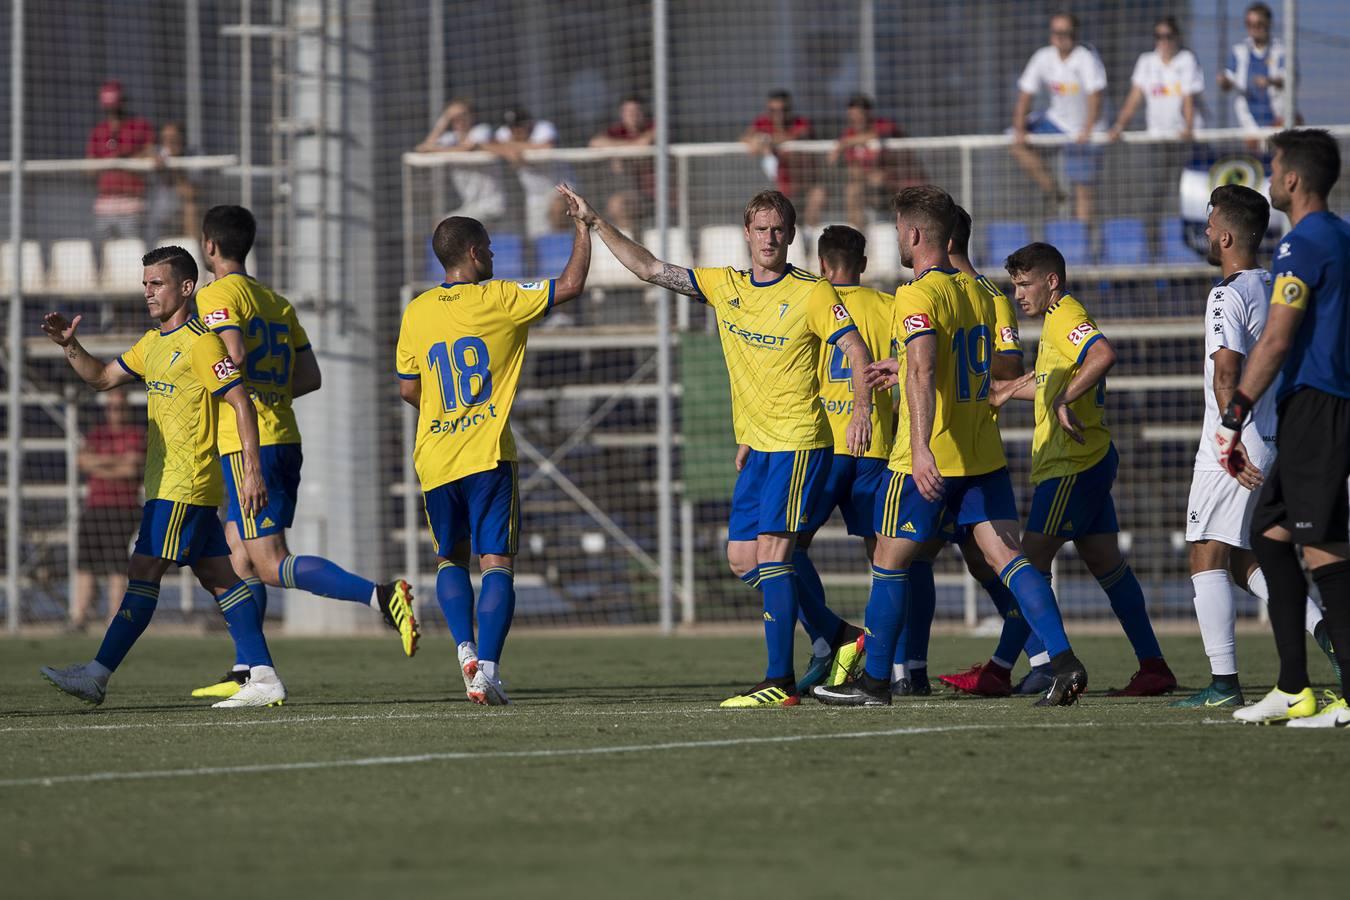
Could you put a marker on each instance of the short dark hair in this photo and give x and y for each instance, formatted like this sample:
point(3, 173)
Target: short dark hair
point(1244, 211)
point(860, 100)
point(634, 98)
point(1171, 22)
point(454, 236)
point(930, 206)
point(781, 94)
point(842, 247)
point(776, 201)
point(1260, 9)
point(180, 262)
point(1065, 14)
point(960, 239)
point(1036, 257)
point(232, 228)
point(1313, 154)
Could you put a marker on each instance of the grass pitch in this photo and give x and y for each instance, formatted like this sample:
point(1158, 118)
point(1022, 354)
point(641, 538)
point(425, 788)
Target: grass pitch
point(614, 774)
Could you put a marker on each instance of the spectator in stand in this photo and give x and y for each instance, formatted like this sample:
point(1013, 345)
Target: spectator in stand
point(111, 461)
point(791, 172)
point(544, 206)
point(172, 206)
point(871, 173)
point(1170, 84)
point(480, 190)
point(632, 202)
point(1074, 77)
point(119, 206)
point(1256, 69)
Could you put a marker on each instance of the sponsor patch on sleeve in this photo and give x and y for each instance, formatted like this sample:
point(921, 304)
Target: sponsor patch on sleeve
point(917, 322)
point(225, 369)
point(1290, 291)
point(1009, 334)
point(1080, 332)
point(533, 285)
point(840, 314)
point(215, 317)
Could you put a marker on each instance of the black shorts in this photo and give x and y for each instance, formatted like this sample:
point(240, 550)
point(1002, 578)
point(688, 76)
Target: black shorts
point(105, 538)
point(1305, 491)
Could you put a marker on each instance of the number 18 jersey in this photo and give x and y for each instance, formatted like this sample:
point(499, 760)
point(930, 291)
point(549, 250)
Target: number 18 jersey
point(465, 343)
point(272, 337)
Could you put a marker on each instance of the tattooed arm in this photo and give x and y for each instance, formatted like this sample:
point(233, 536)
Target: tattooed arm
point(635, 257)
point(96, 373)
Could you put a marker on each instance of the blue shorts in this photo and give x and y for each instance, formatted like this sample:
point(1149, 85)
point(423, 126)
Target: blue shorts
point(281, 474)
point(1077, 505)
point(776, 491)
point(483, 508)
point(851, 485)
point(1081, 162)
point(902, 512)
point(180, 532)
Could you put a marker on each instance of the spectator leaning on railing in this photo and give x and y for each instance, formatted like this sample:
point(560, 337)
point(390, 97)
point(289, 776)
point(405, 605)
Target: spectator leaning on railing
point(480, 190)
point(791, 172)
point(172, 198)
point(633, 200)
point(1256, 71)
point(119, 207)
point(544, 206)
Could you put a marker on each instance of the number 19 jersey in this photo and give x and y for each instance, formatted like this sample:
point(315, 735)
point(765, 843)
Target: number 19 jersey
point(466, 345)
point(272, 337)
point(950, 306)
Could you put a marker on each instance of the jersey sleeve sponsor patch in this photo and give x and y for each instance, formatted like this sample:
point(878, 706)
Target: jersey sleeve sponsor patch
point(840, 313)
point(225, 369)
point(917, 322)
point(533, 285)
point(216, 317)
point(1008, 334)
point(1080, 332)
point(1290, 291)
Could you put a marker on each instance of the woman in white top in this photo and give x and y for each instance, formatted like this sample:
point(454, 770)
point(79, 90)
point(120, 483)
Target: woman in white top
point(1169, 82)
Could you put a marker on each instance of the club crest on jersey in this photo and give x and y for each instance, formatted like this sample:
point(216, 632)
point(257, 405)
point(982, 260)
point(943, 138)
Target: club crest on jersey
point(734, 303)
point(917, 322)
point(216, 317)
point(173, 359)
point(840, 313)
point(225, 369)
point(782, 310)
point(1284, 250)
point(1080, 332)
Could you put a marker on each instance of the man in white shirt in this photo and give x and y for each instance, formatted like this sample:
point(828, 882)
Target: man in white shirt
point(543, 205)
point(480, 190)
point(1074, 78)
point(1255, 71)
point(1219, 513)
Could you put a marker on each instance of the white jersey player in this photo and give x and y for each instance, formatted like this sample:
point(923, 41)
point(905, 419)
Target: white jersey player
point(1219, 513)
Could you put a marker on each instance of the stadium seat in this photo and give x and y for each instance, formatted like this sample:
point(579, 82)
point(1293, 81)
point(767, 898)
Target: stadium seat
point(1124, 242)
point(1175, 250)
point(121, 269)
point(34, 273)
point(722, 245)
point(677, 248)
point(1001, 239)
point(606, 271)
point(551, 252)
point(73, 270)
point(508, 256)
point(883, 254)
point(1071, 238)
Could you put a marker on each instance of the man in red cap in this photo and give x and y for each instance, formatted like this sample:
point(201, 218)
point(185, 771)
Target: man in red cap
point(119, 208)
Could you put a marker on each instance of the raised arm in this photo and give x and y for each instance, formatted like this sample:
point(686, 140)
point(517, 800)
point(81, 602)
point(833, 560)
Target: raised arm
point(95, 372)
point(858, 433)
point(253, 491)
point(635, 257)
point(921, 402)
point(573, 278)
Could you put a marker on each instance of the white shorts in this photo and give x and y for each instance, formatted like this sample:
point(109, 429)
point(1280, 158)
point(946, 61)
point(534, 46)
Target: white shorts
point(1220, 509)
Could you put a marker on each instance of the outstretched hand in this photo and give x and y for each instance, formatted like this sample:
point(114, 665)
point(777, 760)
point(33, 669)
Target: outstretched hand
point(882, 375)
point(577, 207)
point(59, 329)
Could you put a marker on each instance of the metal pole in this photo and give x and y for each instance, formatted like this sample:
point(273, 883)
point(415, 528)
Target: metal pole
point(686, 562)
point(192, 48)
point(664, 419)
point(867, 49)
point(246, 104)
point(435, 58)
point(14, 470)
point(1290, 69)
point(1221, 56)
point(72, 429)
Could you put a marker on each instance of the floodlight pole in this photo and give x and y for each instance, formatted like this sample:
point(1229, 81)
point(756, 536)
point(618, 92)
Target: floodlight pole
point(665, 534)
point(14, 467)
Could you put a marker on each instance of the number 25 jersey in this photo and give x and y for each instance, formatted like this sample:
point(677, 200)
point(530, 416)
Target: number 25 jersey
point(272, 338)
point(466, 345)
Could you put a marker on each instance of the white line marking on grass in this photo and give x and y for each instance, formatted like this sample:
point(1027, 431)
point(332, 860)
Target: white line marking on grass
point(258, 768)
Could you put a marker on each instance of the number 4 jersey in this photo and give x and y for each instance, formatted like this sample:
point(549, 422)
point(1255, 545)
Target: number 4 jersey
point(272, 337)
point(466, 344)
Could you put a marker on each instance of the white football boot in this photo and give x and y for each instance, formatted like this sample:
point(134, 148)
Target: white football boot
point(1277, 706)
point(261, 690)
point(77, 682)
point(487, 691)
point(1336, 714)
point(468, 665)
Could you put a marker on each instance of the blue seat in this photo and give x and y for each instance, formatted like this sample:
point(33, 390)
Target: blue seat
point(508, 256)
point(433, 271)
point(1002, 239)
point(1071, 238)
point(1124, 242)
point(1175, 250)
point(551, 252)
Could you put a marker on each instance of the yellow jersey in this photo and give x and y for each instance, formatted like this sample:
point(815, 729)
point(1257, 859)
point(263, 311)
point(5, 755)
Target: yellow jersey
point(1066, 335)
point(949, 305)
point(871, 312)
point(185, 370)
point(466, 345)
point(771, 340)
point(272, 337)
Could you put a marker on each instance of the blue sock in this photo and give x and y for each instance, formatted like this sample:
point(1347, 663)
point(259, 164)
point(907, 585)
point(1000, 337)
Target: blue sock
point(455, 595)
point(816, 616)
point(1130, 607)
point(138, 607)
point(884, 618)
point(919, 612)
point(241, 617)
point(1034, 646)
point(326, 579)
point(778, 584)
point(1000, 596)
point(496, 607)
point(1037, 603)
point(259, 591)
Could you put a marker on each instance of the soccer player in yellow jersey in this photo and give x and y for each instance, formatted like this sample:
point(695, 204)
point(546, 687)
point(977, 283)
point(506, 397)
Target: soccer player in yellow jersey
point(947, 456)
point(460, 350)
point(773, 319)
point(187, 372)
point(1073, 462)
point(265, 339)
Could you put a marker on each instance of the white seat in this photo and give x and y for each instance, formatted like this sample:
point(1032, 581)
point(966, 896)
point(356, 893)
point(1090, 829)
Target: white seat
point(191, 245)
point(607, 272)
point(73, 270)
point(883, 254)
point(723, 245)
point(122, 270)
point(677, 252)
point(34, 273)
point(802, 250)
